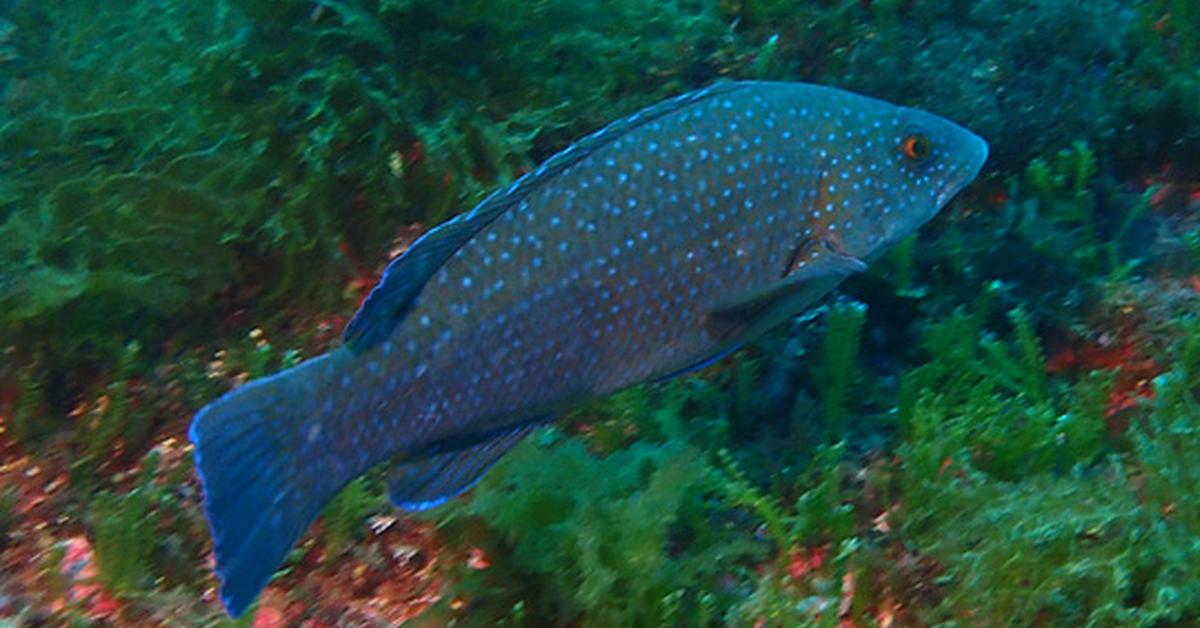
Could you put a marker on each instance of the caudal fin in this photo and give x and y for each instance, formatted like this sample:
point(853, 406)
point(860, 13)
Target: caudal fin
point(266, 473)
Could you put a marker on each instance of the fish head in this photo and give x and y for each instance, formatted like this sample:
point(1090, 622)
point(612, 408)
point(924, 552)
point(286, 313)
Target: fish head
point(890, 170)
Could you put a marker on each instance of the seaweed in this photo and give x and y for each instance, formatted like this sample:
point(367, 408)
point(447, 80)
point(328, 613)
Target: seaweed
point(1035, 507)
point(116, 416)
point(156, 186)
point(1085, 547)
point(903, 259)
point(27, 424)
point(742, 493)
point(148, 536)
point(124, 529)
point(1170, 437)
point(1061, 194)
point(973, 402)
point(803, 584)
point(346, 514)
point(1058, 64)
point(638, 548)
point(839, 372)
point(1159, 86)
point(173, 176)
point(822, 514)
point(8, 513)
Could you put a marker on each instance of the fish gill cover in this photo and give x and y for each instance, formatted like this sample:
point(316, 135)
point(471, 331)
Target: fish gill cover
point(992, 424)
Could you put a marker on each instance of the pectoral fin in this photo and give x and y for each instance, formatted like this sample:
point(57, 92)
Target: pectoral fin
point(812, 272)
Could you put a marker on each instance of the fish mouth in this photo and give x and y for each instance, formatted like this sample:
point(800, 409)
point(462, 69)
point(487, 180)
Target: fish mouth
point(979, 147)
point(978, 150)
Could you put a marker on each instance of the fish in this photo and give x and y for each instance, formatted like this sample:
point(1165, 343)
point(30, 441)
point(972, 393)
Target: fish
point(651, 247)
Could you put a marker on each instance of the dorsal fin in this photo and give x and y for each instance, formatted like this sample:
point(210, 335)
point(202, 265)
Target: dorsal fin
point(403, 279)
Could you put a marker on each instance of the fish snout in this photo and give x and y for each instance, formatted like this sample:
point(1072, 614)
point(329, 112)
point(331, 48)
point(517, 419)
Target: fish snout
point(969, 152)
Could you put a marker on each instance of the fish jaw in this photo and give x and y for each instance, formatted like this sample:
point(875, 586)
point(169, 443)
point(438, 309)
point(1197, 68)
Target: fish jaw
point(900, 193)
point(958, 156)
point(975, 150)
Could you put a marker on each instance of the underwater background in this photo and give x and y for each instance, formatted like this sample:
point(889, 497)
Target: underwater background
point(997, 424)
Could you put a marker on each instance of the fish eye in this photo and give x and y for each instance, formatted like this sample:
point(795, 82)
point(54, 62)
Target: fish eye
point(916, 146)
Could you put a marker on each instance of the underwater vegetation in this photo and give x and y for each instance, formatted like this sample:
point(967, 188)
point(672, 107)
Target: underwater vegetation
point(1103, 540)
point(635, 549)
point(996, 424)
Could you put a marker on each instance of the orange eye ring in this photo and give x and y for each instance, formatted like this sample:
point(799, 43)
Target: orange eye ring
point(917, 147)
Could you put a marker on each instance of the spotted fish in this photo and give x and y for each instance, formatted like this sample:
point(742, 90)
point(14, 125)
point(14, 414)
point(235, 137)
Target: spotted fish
point(661, 241)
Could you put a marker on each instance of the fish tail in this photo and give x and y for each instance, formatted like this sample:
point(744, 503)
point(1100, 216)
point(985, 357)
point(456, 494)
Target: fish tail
point(267, 469)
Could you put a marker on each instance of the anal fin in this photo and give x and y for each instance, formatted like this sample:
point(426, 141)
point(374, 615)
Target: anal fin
point(429, 481)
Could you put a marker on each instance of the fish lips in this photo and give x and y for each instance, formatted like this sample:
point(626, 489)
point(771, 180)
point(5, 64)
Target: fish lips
point(975, 151)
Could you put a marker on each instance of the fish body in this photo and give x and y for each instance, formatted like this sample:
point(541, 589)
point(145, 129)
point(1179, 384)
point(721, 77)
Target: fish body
point(665, 239)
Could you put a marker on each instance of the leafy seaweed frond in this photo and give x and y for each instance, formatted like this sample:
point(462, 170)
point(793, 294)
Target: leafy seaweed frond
point(345, 515)
point(8, 512)
point(742, 493)
point(124, 529)
point(839, 372)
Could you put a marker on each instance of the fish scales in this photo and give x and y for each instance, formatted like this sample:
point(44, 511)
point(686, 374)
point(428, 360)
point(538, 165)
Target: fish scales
point(597, 280)
point(667, 238)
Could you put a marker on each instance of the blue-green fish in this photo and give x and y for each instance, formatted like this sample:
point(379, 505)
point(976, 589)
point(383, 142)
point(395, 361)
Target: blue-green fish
point(654, 245)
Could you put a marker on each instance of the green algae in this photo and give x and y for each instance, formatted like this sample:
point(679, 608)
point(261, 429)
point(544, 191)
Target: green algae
point(124, 528)
point(118, 418)
point(1070, 219)
point(1035, 506)
point(149, 185)
point(8, 513)
point(123, 531)
point(178, 172)
point(634, 549)
point(821, 514)
point(160, 156)
point(839, 371)
point(27, 424)
point(1095, 545)
point(981, 401)
point(346, 514)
